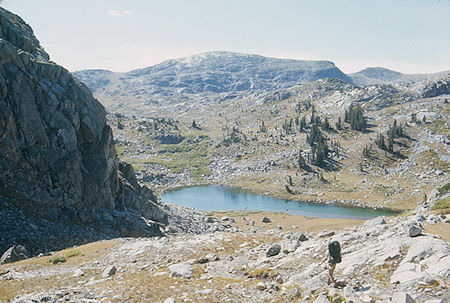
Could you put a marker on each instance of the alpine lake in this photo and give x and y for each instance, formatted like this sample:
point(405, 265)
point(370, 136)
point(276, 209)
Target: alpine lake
point(217, 198)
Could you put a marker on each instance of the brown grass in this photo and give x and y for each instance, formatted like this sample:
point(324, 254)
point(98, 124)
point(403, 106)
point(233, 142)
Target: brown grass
point(440, 229)
point(87, 253)
point(304, 224)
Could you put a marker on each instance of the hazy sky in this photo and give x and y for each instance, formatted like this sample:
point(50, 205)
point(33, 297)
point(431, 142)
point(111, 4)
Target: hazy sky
point(411, 36)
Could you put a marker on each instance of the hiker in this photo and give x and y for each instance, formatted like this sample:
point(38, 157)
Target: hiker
point(334, 257)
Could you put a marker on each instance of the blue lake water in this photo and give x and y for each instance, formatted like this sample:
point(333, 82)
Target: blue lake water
point(211, 198)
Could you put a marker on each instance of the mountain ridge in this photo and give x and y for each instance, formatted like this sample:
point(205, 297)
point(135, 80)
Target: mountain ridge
point(217, 76)
point(203, 77)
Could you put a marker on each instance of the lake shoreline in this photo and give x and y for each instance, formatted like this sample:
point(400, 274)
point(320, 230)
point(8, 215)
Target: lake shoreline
point(267, 203)
point(342, 203)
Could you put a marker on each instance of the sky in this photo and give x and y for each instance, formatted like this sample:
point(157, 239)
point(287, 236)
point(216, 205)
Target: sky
point(410, 36)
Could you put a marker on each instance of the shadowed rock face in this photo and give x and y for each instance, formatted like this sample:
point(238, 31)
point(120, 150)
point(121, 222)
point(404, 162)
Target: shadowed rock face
point(58, 158)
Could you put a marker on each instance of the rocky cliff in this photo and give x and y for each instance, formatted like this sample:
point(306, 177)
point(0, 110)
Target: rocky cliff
point(58, 159)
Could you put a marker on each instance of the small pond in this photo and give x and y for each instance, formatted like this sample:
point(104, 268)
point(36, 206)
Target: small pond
point(209, 198)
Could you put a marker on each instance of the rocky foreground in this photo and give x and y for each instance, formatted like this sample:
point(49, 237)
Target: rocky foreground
point(384, 259)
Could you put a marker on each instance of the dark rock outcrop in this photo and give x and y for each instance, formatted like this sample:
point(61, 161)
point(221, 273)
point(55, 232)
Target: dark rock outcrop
point(58, 159)
point(13, 254)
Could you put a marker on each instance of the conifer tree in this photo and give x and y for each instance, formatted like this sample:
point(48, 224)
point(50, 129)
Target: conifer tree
point(356, 118)
point(339, 124)
point(380, 142)
point(302, 123)
point(312, 115)
point(301, 161)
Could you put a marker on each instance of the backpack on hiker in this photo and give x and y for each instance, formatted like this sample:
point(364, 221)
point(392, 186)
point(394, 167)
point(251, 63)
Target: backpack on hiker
point(334, 252)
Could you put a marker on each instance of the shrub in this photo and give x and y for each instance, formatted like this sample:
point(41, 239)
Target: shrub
point(444, 189)
point(442, 205)
point(73, 253)
point(57, 259)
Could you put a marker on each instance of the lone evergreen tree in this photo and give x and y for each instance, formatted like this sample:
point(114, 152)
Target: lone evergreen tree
point(326, 125)
point(263, 128)
point(194, 125)
point(312, 115)
point(380, 142)
point(339, 124)
point(301, 161)
point(302, 123)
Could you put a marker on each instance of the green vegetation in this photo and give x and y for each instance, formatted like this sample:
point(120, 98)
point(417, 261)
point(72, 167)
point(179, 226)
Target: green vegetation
point(73, 253)
point(339, 124)
point(57, 259)
point(262, 128)
point(194, 125)
point(380, 142)
point(231, 137)
point(318, 145)
point(355, 117)
point(438, 126)
point(192, 157)
point(288, 126)
point(302, 124)
point(442, 206)
point(383, 189)
point(63, 258)
point(301, 162)
point(437, 162)
point(367, 151)
point(120, 150)
point(444, 189)
point(264, 273)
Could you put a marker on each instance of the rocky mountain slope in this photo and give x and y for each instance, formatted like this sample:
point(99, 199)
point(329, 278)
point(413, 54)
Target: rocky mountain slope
point(204, 77)
point(58, 160)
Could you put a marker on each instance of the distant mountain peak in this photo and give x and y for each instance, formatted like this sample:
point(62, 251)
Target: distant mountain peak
point(380, 73)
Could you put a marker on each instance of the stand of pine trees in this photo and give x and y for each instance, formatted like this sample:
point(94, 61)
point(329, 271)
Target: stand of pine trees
point(354, 115)
point(319, 146)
